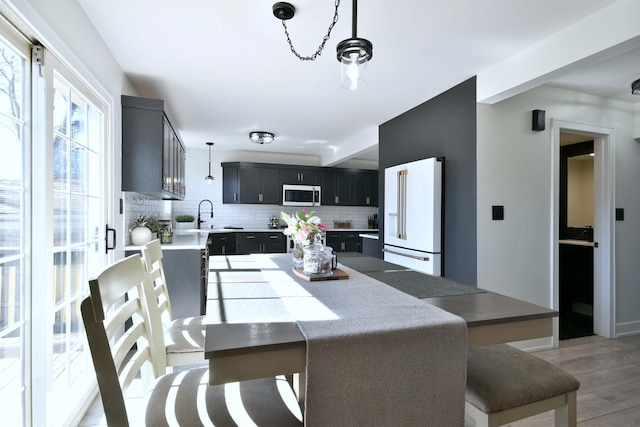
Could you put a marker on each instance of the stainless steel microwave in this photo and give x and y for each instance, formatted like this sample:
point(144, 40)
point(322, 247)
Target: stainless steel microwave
point(300, 195)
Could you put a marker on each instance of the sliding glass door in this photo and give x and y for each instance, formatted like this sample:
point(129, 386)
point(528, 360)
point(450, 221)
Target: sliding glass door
point(52, 220)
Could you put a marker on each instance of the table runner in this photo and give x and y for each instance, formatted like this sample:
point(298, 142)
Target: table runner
point(389, 359)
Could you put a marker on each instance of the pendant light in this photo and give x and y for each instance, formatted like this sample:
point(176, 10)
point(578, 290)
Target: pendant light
point(209, 178)
point(635, 87)
point(354, 53)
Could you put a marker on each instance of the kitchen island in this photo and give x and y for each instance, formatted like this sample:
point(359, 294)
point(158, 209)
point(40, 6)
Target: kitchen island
point(186, 268)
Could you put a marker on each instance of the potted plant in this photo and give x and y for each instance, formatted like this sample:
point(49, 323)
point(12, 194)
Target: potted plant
point(141, 234)
point(185, 221)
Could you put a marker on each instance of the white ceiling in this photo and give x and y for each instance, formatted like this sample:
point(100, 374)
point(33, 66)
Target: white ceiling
point(224, 68)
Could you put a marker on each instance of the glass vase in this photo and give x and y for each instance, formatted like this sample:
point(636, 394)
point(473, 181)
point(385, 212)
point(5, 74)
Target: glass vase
point(298, 256)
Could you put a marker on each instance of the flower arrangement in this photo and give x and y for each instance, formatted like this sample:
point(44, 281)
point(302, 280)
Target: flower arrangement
point(302, 226)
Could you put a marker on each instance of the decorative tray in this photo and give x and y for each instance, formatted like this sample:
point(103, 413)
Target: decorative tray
point(337, 275)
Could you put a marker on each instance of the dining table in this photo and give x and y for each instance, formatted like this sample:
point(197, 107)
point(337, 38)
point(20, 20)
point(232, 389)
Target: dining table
point(254, 345)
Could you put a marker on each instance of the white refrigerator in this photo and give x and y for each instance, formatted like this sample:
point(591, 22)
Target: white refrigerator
point(413, 215)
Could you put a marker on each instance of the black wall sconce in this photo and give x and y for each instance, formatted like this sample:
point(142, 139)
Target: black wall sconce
point(537, 120)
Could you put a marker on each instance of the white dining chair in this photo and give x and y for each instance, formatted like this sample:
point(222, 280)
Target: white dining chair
point(183, 337)
point(116, 318)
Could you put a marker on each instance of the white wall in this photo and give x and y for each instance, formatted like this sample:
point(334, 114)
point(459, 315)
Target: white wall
point(514, 170)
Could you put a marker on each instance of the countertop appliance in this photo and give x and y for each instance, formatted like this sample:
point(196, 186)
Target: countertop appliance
point(300, 195)
point(413, 215)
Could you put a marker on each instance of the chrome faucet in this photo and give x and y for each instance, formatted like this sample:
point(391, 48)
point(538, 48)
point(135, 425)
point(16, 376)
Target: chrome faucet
point(200, 204)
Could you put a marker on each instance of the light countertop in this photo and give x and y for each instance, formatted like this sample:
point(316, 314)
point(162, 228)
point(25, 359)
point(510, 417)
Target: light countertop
point(370, 236)
point(180, 241)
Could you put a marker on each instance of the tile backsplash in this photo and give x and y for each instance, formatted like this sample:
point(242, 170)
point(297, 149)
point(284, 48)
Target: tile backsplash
point(246, 216)
point(257, 216)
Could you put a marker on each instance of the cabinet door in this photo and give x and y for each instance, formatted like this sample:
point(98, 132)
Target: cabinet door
point(300, 176)
point(230, 185)
point(274, 243)
point(351, 242)
point(249, 243)
point(328, 186)
point(166, 154)
point(344, 192)
point(372, 189)
point(250, 185)
point(222, 244)
point(270, 188)
point(334, 240)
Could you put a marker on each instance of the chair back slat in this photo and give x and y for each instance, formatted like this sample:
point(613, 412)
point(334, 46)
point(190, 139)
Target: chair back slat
point(152, 259)
point(120, 350)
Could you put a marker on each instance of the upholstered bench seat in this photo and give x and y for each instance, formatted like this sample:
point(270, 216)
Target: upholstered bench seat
point(505, 384)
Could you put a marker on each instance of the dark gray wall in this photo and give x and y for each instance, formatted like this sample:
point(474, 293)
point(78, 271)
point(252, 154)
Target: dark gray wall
point(444, 126)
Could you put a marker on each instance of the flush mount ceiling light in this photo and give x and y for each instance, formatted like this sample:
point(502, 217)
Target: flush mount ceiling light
point(354, 53)
point(635, 87)
point(209, 178)
point(260, 137)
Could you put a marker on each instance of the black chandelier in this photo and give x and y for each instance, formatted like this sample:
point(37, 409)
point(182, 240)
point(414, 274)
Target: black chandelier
point(635, 87)
point(354, 53)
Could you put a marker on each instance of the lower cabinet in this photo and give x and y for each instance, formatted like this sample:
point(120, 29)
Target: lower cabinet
point(222, 244)
point(261, 243)
point(186, 271)
point(344, 241)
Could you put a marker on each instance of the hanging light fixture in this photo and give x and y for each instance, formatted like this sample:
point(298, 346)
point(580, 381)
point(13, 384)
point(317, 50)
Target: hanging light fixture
point(635, 87)
point(209, 178)
point(354, 53)
point(260, 137)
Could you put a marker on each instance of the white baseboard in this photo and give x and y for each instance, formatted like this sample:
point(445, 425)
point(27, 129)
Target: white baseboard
point(627, 329)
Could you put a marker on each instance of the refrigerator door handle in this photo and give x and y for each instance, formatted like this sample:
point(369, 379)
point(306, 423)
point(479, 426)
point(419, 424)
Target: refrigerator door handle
point(419, 258)
point(402, 204)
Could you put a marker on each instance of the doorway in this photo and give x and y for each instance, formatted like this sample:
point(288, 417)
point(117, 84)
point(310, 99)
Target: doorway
point(576, 243)
point(603, 310)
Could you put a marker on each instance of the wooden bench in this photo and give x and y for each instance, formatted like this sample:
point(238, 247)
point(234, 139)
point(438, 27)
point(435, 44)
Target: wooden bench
point(505, 384)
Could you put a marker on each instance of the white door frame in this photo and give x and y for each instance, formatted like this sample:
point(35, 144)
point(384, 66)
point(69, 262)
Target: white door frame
point(604, 307)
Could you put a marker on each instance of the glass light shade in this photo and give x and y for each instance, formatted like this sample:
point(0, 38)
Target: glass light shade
point(209, 179)
point(353, 72)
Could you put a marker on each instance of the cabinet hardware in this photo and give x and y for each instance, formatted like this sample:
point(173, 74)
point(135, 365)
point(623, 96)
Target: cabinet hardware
point(235, 197)
point(337, 199)
point(250, 237)
point(260, 197)
point(368, 200)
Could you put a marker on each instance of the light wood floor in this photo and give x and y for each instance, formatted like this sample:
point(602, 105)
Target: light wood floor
point(608, 371)
point(609, 375)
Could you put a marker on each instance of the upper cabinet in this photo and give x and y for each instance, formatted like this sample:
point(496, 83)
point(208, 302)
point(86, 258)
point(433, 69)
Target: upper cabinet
point(153, 157)
point(302, 176)
point(251, 183)
point(348, 187)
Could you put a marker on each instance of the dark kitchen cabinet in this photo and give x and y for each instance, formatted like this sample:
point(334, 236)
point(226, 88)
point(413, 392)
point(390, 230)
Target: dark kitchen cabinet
point(230, 185)
point(260, 185)
point(244, 182)
point(261, 242)
point(344, 241)
point(336, 188)
point(222, 244)
point(153, 157)
point(365, 186)
point(350, 188)
point(302, 176)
